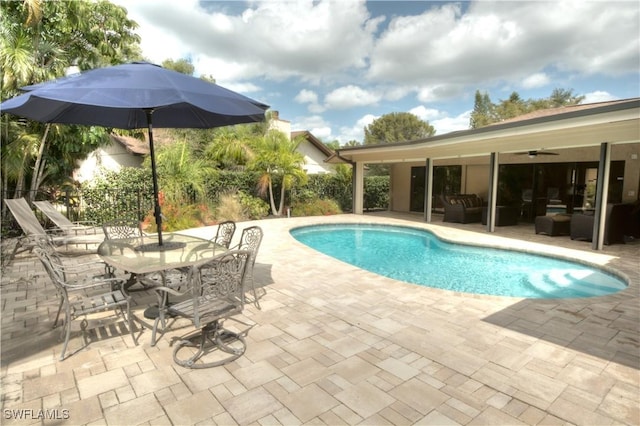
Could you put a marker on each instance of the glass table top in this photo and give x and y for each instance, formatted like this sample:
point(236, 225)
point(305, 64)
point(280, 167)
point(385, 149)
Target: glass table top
point(137, 256)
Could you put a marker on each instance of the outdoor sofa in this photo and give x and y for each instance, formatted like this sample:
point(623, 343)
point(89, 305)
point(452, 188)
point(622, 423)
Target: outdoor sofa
point(462, 208)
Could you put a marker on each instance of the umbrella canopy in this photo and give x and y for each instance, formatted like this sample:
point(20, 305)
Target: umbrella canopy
point(133, 96)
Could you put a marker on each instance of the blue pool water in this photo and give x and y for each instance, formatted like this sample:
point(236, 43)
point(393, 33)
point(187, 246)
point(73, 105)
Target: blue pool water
point(419, 257)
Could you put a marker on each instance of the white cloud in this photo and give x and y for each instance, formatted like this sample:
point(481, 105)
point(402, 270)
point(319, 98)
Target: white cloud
point(598, 96)
point(350, 96)
point(306, 96)
point(316, 124)
point(536, 80)
point(425, 114)
point(440, 120)
point(493, 41)
point(276, 39)
point(311, 98)
point(451, 124)
point(332, 56)
point(355, 132)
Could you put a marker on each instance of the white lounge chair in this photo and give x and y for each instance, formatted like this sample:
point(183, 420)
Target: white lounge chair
point(62, 222)
point(33, 230)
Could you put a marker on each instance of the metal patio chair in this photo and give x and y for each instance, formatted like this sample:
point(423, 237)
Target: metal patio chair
point(250, 240)
point(82, 294)
point(121, 228)
point(224, 233)
point(217, 293)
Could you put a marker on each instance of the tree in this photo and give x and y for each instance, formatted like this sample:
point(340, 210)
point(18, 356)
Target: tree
point(483, 111)
point(397, 127)
point(232, 147)
point(512, 107)
point(563, 97)
point(278, 161)
point(183, 66)
point(486, 112)
point(40, 41)
point(181, 175)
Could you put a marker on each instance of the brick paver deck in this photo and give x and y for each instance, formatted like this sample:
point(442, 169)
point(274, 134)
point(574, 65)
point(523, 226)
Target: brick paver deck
point(334, 344)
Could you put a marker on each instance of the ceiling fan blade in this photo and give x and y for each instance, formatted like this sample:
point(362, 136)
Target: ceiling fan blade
point(536, 153)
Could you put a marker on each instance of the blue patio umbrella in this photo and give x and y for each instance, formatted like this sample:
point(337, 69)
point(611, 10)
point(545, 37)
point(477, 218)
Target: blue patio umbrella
point(132, 96)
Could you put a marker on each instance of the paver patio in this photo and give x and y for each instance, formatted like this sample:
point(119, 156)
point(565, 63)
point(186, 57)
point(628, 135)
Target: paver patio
point(334, 344)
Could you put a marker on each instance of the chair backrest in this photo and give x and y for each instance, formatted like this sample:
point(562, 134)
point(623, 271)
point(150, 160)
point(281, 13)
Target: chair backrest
point(121, 228)
point(56, 217)
point(224, 234)
point(217, 280)
point(25, 217)
point(250, 240)
point(52, 265)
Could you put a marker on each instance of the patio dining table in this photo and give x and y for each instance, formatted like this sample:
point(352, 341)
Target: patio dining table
point(141, 257)
point(132, 255)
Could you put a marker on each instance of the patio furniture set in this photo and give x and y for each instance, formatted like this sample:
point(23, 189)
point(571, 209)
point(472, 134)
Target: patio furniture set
point(207, 278)
point(621, 221)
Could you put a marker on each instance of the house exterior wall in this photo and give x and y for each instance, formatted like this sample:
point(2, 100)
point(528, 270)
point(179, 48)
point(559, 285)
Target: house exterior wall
point(314, 159)
point(110, 158)
point(475, 171)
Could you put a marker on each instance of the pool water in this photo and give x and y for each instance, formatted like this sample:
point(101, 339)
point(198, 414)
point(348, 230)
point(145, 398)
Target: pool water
point(419, 257)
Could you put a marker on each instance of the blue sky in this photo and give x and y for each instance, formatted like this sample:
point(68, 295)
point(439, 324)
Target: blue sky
point(332, 67)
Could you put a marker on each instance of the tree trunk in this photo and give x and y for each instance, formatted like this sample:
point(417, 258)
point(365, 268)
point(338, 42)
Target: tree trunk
point(271, 200)
point(282, 192)
point(38, 168)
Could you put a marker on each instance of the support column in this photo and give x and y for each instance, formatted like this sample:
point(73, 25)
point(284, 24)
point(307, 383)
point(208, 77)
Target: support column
point(602, 194)
point(493, 192)
point(428, 190)
point(358, 188)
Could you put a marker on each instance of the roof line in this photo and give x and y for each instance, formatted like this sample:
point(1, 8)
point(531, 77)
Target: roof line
point(617, 106)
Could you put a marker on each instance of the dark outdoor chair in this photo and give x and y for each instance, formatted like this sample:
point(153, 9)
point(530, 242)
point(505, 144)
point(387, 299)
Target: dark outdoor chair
point(217, 293)
point(617, 224)
point(82, 294)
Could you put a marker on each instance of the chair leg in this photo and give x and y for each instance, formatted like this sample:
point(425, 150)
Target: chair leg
point(55, 323)
point(256, 301)
point(212, 338)
point(67, 332)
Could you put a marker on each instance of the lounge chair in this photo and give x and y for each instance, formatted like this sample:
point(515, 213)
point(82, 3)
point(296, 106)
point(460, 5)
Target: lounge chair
point(33, 230)
point(62, 222)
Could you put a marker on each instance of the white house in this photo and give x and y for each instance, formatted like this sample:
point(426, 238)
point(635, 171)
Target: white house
point(315, 152)
point(126, 151)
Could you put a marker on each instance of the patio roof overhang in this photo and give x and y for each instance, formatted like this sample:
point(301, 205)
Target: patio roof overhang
point(617, 122)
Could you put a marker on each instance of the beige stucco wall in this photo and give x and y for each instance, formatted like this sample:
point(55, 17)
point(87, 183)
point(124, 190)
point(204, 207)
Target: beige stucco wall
point(110, 158)
point(475, 171)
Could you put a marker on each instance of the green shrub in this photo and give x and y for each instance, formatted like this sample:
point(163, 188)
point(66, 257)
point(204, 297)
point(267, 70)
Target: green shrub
point(230, 208)
point(376, 192)
point(316, 207)
point(177, 217)
point(254, 207)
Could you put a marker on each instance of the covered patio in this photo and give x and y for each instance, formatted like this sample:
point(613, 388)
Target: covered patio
point(597, 134)
point(334, 344)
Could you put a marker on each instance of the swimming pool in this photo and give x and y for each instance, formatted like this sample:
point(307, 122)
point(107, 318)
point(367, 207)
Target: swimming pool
point(418, 256)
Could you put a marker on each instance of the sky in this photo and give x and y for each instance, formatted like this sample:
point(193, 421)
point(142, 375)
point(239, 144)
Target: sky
point(332, 67)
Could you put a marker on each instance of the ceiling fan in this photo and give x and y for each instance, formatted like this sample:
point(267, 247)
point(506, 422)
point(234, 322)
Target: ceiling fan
point(534, 154)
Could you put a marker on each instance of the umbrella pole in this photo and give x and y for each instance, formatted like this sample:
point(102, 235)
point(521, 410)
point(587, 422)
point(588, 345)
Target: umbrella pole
point(156, 200)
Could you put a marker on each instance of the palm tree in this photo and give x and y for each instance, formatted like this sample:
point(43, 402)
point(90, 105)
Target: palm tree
point(232, 147)
point(277, 160)
point(180, 173)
